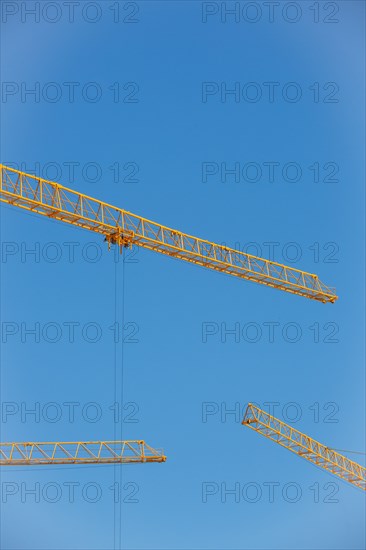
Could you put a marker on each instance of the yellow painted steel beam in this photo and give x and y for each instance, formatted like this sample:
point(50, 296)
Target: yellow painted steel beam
point(124, 228)
point(304, 446)
point(78, 452)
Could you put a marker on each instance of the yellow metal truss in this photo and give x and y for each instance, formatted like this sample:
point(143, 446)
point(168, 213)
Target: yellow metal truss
point(123, 228)
point(78, 452)
point(304, 446)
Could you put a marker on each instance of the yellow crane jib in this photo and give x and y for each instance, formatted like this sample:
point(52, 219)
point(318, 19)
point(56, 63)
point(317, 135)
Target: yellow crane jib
point(78, 452)
point(124, 229)
point(304, 446)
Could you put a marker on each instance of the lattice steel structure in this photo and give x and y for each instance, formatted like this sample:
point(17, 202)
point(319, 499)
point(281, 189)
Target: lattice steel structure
point(78, 452)
point(123, 228)
point(304, 446)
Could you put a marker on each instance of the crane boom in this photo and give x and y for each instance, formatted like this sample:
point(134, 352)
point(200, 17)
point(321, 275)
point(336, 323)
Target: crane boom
point(304, 446)
point(124, 228)
point(78, 452)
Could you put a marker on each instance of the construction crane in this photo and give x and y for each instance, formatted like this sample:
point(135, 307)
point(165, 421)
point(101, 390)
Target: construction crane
point(304, 446)
point(78, 452)
point(122, 228)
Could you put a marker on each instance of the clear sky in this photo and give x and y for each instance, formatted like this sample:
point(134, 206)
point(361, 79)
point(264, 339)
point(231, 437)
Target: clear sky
point(133, 109)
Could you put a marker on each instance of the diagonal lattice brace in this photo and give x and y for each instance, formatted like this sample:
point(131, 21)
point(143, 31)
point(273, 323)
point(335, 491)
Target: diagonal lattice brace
point(78, 452)
point(304, 446)
point(124, 229)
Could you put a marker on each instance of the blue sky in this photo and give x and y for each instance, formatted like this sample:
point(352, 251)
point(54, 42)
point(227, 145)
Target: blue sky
point(160, 131)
